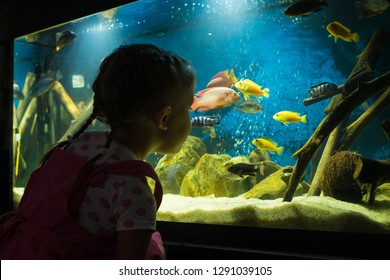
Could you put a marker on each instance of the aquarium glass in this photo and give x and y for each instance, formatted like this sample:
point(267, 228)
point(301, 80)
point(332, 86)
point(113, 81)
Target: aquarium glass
point(306, 145)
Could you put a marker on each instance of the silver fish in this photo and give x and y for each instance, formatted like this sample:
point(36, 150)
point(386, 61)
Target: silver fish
point(17, 92)
point(250, 106)
point(205, 121)
point(322, 89)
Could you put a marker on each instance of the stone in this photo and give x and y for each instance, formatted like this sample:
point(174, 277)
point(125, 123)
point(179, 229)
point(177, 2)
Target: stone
point(171, 169)
point(200, 181)
point(275, 185)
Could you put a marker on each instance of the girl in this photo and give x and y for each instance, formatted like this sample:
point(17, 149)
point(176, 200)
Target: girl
point(90, 198)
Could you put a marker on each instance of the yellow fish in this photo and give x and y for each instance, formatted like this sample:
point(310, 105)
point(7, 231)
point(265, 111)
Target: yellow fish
point(337, 30)
point(266, 144)
point(286, 117)
point(248, 87)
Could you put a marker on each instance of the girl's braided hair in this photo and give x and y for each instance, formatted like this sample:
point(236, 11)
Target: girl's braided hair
point(132, 81)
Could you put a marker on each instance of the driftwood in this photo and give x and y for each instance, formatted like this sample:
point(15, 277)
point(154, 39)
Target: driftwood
point(26, 124)
point(370, 174)
point(37, 123)
point(362, 74)
point(357, 126)
point(330, 146)
point(341, 111)
point(386, 128)
point(348, 136)
point(24, 103)
point(65, 100)
point(329, 123)
point(78, 122)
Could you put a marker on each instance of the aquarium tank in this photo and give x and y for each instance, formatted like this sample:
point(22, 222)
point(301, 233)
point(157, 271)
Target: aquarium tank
point(304, 143)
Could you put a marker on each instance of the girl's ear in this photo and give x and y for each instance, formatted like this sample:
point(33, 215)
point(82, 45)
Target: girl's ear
point(161, 117)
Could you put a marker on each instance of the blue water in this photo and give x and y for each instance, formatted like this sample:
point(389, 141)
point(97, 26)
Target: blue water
point(287, 55)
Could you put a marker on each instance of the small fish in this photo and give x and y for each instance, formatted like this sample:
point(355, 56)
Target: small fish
point(322, 89)
point(337, 30)
point(266, 144)
point(286, 117)
point(242, 169)
point(370, 8)
point(248, 87)
point(250, 106)
point(214, 98)
point(44, 84)
point(210, 131)
point(64, 38)
point(303, 8)
point(202, 121)
point(223, 79)
point(17, 92)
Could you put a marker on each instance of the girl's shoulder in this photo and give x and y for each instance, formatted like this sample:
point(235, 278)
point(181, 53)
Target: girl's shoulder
point(88, 144)
point(92, 136)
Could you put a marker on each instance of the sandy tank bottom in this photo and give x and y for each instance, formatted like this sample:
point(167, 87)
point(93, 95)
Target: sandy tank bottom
point(304, 212)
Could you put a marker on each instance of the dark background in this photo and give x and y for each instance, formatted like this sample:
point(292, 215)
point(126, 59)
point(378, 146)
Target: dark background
point(183, 241)
point(17, 18)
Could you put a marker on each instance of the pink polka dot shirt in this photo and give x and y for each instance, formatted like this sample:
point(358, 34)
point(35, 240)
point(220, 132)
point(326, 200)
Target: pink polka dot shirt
point(123, 202)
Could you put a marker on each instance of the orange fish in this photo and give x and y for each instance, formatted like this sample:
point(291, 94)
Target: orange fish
point(337, 30)
point(214, 98)
point(223, 79)
point(248, 87)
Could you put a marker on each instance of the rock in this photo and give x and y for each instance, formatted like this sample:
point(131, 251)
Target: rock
point(382, 193)
point(257, 155)
point(233, 185)
point(200, 181)
point(171, 169)
point(267, 168)
point(275, 185)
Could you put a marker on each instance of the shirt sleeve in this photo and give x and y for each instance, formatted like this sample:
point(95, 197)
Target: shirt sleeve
point(134, 204)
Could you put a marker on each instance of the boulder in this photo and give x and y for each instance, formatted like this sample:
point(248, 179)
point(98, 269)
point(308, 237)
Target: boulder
point(201, 180)
point(171, 169)
point(275, 185)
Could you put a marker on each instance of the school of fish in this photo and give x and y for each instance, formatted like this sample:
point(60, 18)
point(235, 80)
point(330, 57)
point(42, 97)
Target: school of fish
point(220, 92)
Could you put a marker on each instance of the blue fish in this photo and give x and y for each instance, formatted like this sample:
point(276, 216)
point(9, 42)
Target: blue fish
point(64, 38)
point(44, 85)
